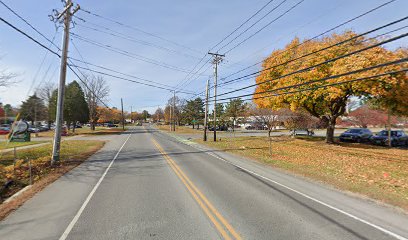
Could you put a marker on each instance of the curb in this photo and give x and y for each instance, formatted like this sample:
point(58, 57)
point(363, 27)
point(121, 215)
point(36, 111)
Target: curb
point(17, 194)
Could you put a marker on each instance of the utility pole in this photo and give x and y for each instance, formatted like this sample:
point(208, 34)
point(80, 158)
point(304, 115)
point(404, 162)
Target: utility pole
point(174, 110)
point(217, 58)
point(66, 14)
point(170, 119)
point(123, 115)
point(206, 110)
point(131, 116)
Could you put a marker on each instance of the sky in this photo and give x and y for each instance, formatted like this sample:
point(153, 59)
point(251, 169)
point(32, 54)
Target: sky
point(164, 40)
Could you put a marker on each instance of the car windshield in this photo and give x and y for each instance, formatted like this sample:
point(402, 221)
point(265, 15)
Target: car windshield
point(354, 131)
point(385, 133)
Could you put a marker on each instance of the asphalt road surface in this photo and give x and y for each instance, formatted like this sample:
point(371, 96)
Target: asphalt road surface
point(145, 184)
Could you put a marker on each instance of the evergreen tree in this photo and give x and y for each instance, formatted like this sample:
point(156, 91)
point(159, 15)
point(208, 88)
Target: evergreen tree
point(33, 109)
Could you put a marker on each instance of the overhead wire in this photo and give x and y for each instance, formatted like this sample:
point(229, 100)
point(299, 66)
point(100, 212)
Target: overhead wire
point(138, 30)
point(321, 63)
point(120, 35)
point(402, 60)
point(323, 33)
point(127, 53)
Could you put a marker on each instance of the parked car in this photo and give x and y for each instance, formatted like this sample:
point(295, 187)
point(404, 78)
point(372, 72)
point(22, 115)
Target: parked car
point(250, 127)
point(32, 129)
point(110, 125)
point(356, 135)
point(4, 130)
point(398, 138)
point(219, 128)
point(43, 128)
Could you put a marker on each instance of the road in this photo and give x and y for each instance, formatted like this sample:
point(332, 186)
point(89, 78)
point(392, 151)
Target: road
point(146, 184)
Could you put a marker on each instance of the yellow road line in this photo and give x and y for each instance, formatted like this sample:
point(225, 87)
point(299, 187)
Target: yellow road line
point(194, 191)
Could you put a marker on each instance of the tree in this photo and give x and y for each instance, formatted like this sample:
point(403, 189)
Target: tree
point(96, 90)
point(109, 115)
point(6, 78)
point(329, 102)
point(234, 109)
point(158, 114)
point(365, 116)
point(268, 117)
point(46, 93)
point(178, 108)
point(75, 106)
point(33, 109)
point(145, 115)
point(300, 119)
point(194, 112)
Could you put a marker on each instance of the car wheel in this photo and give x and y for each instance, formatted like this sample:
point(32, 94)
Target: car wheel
point(358, 140)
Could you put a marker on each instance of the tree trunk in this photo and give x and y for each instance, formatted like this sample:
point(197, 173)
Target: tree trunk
point(73, 128)
point(193, 126)
point(330, 130)
point(92, 125)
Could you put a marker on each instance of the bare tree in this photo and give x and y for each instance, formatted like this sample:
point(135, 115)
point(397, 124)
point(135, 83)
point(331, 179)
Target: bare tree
point(269, 118)
point(45, 93)
point(6, 78)
point(96, 90)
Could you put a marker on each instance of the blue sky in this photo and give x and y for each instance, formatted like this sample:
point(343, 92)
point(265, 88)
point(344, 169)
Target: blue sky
point(198, 25)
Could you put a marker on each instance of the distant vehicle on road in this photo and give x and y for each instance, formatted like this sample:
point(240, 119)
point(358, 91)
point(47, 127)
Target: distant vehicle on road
point(356, 135)
point(219, 128)
point(398, 138)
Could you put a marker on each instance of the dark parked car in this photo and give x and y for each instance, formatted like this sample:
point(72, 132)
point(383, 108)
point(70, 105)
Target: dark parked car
point(356, 135)
point(398, 138)
point(219, 128)
point(110, 125)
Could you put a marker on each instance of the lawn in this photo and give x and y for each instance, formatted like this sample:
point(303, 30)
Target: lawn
point(378, 172)
point(180, 129)
point(17, 175)
point(85, 131)
point(5, 145)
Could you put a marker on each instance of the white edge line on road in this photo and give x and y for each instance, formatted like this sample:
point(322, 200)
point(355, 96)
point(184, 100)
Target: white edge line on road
point(75, 219)
point(399, 237)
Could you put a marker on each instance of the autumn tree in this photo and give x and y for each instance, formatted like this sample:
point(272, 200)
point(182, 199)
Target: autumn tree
point(158, 114)
point(300, 120)
point(326, 102)
point(365, 116)
point(107, 115)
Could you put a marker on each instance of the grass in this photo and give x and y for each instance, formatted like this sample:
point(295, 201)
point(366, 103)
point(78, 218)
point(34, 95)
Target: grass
point(180, 129)
point(72, 154)
point(86, 131)
point(5, 145)
point(377, 172)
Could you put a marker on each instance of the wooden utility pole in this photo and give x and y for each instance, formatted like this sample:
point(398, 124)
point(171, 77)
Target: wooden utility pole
point(174, 110)
point(206, 111)
point(123, 115)
point(66, 14)
point(217, 58)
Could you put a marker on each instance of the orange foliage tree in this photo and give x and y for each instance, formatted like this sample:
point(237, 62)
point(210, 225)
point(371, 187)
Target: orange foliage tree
point(108, 115)
point(328, 103)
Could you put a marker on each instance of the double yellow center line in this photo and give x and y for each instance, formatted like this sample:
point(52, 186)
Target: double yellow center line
point(223, 227)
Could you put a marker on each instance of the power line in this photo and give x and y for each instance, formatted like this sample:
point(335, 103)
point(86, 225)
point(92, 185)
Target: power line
point(120, 35)
point(256, 22)
point(239, 79)
point(402, 60)
point(325, 48)
point(128, 54)
point(127, 79)
point(124, 74)
point(242, 24)
point(327, 85)
point(41, 45)
point(321, 63)
point(139, 30)
point(323, 33)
